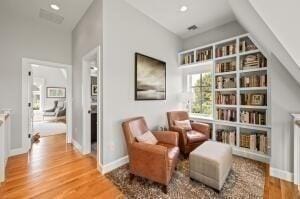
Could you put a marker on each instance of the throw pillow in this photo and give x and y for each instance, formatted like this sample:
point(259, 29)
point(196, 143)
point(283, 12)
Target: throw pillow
point(148, 138)
point(184, 124)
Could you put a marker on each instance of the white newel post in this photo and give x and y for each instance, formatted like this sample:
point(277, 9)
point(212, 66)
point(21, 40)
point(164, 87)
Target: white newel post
point(5, 126)
point(296, 148)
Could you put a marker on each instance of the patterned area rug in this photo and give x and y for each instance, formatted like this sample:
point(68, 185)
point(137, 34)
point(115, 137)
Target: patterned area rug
point(245, 180)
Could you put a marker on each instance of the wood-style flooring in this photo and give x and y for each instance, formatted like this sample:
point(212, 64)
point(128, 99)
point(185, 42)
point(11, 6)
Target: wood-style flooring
point(54, 169)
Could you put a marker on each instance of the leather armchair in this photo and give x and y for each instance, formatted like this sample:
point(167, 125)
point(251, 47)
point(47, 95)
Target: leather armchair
point(154, 162)
point(188, 139)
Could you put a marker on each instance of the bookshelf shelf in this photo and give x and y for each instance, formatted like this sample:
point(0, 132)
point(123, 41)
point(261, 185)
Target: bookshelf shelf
point(254, 70)
point(239, 65)
point(225, 73)
point(253, 88)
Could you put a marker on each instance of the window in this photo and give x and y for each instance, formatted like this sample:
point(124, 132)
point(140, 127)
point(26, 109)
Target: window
point(200, 85)
point(36, 100)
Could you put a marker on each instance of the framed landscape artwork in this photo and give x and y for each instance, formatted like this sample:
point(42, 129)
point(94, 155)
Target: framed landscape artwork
point(150, 78)
point(56, 92)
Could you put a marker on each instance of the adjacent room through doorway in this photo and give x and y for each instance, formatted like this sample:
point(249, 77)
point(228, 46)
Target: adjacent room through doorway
point(49, 100)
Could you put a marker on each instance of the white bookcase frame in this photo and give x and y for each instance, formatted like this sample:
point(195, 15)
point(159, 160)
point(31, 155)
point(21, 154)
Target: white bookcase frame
point(237, 150)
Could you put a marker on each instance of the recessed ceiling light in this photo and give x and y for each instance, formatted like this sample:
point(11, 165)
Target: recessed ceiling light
point(54, 6)
point(183, 8)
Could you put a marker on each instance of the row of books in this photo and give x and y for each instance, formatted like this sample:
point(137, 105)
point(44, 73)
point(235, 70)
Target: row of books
point(225, 50)
point(254, 81)
point(253, 117)
point(247, 45)
point(226, 66)
point(188, 58)
point(257, 141)
point(254, 99)
point(226, 136)
point(228, 99)
point(253, 61)
point(226, 114)
point(203, 55)
point(225, 82)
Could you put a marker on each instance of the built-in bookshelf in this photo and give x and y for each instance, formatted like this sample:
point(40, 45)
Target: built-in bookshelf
point(241, 94)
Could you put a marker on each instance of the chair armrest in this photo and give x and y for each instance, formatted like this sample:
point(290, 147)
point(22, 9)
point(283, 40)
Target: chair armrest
point(182, 134)
point(168, 137)
point(149, 160)
point(201, 127)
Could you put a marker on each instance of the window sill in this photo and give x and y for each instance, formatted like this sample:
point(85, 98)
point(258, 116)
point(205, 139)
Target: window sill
point(201, 117)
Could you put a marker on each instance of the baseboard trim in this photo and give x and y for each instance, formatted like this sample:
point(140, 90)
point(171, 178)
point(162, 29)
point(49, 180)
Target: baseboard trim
point(281, 174)
point(17, 151)
point(77, 145)
point(113, 165)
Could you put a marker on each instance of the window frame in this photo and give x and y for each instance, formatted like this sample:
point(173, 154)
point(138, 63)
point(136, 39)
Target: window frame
point(190, 88)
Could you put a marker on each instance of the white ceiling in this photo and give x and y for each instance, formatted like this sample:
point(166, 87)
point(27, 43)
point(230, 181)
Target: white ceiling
point(71, 10)
point(206, 14)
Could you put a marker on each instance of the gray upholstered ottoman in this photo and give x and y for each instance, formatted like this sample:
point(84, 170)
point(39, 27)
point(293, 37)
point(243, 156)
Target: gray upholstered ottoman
point(210, 163)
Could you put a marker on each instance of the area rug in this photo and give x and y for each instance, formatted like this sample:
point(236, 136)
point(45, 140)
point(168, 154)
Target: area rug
point(46, 128)
point(245, 180)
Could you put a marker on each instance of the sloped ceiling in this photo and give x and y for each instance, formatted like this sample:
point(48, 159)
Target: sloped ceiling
point(282, 17)
point(248, 17)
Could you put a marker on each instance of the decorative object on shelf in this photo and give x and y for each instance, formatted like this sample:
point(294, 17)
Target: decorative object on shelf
point(187, 98)
point(225, 99)
point(56, 92)
point(253, 81)
point(226, 114)
point(252, 61)
point(254, 141)
point(253, 117)
point(254, 99)
point(246, 45)
point(226, 136)
point(204, 54)
point(225, 82)
point(150, 78)
point(225, 50)
point(94, 90)
point(225, 66)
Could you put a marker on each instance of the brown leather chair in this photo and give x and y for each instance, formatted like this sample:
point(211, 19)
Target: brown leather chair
point(188, 140)
point(154, 162)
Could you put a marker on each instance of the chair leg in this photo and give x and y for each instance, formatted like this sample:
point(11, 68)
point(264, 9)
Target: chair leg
point(165, 189)
point(131, 177)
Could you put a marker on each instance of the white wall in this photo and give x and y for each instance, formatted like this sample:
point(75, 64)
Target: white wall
point(52, 77)
point(285, 99)
point(219, 33)
point(20, 37)
point(86, 36)
point(127, 31)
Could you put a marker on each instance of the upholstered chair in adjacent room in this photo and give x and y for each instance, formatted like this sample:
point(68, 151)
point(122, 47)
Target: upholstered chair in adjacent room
point(190, 136)
point(155, 161)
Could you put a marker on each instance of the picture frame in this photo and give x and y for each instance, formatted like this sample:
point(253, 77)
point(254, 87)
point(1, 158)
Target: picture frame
point(94, 90)
point(56, 92)
point(150, 78)
point(257, 99)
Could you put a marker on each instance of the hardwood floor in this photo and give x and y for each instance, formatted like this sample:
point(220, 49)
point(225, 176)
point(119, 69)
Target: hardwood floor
point(54, 169)
point(279, 189)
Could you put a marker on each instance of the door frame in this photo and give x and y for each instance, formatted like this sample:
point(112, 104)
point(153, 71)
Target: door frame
point(86, 102)
point(26, 68)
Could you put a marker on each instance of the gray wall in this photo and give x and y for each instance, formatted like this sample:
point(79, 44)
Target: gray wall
point(22, 37)
point(225, 31)
point(285, 99)
point(127, 31)
point(86, 36)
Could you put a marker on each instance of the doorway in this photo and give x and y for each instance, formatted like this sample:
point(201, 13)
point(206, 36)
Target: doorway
point(91, 104)
point(46, 100)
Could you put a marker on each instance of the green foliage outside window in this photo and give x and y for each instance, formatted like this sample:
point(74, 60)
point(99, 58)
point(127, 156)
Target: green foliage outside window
point(202, 89)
